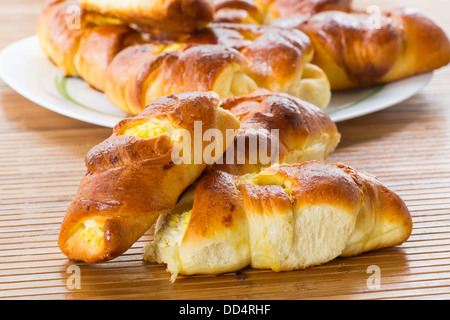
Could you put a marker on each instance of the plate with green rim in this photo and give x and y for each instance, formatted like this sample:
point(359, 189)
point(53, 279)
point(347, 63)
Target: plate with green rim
point(26, 69)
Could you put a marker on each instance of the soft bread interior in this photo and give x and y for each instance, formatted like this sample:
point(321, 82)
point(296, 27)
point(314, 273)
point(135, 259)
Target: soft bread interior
point(221, 252)
point(168, 247)
point(296, 236)
point(169, 232)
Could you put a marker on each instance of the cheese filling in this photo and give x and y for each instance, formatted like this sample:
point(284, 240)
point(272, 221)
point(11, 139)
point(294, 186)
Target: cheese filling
point(151, 129)
point(92, 233)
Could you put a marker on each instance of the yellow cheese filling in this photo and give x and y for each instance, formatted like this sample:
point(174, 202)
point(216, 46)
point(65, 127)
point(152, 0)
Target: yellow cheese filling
point(169, 48)
point(176, 228)
point(267, 178)
point(151, 129)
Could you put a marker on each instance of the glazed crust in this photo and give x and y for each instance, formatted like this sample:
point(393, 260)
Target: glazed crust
point(267, 11)
point(98, 47)
point(133, 68)
point(173, 15)
point(353, 54)
point(130, 179)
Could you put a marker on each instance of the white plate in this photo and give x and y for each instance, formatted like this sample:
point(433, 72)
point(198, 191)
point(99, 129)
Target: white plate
point(25, 68)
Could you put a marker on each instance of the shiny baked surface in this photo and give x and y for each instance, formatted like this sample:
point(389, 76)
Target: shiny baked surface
point(172, 15)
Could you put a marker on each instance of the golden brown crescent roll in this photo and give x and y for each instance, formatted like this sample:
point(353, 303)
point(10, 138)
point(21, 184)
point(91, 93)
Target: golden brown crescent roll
point(266, 11)
point(171, 15)
point(355, 53)
point(132, 176)
point(284, 218)
point(301, 132)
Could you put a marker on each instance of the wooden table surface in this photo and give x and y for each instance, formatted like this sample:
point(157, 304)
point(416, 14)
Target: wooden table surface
point(42, 161)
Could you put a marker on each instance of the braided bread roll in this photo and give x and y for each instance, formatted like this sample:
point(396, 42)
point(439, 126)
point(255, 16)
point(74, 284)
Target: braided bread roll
point(132, 177)
point(354, 53)
point(303, 132)
point(171, 15)
point(284, 218)
point(230, 61)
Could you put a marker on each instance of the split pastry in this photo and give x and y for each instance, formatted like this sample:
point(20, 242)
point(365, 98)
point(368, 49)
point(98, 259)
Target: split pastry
point(283, 218)
point(355, 52)
point(170, 15)
point(132, 68)
point(82, 46)
point(303, 132)
point(132, 178)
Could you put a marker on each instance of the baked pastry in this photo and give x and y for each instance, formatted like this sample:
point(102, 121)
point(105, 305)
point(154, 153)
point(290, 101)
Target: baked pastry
point(284, 218)
point(133, 176)
point(228, 60)
point(355, 53)
point(302, 132)
point(266, 11)
point(133, 68)
point(352, 49)
point(171, 15)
